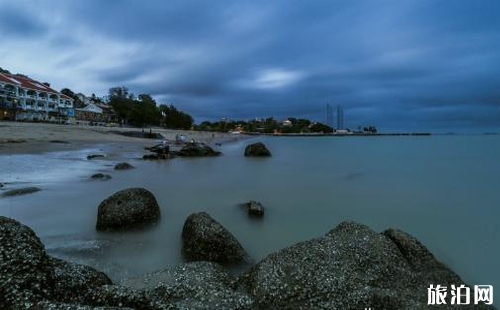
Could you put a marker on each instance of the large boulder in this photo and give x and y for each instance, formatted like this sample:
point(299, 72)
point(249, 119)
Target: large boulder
point(205, 239)
point(351, 267)
point(127, 209)
point(29, 276)
point(257, 149)
point(196, 149)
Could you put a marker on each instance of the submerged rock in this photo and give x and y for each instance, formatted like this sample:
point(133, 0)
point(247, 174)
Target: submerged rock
point(254, 208)
point(196, 149)
point(123, 166)
point(59, 141)
point(351, 267)
point(127, 209)
point(205, 239)
point(257, 149)
point(100, 176)
point(95, 156)
point(20, 191)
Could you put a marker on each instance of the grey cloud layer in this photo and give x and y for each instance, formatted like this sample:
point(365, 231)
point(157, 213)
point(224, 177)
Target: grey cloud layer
point(396, 64)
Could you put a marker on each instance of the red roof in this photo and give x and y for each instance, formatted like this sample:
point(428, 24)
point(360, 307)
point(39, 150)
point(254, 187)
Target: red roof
point(25, 82)
point(5, 79)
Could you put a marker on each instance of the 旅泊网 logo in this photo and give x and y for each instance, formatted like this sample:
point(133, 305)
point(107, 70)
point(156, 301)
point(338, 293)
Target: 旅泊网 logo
point(459, 295)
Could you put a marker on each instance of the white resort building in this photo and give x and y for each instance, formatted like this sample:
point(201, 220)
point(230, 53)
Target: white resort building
point(22, 98)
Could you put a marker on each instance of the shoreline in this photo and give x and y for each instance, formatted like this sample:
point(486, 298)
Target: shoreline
point(36, 138)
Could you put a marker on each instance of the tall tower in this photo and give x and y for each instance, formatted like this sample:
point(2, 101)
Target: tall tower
point(329, 115)
point(340, 118)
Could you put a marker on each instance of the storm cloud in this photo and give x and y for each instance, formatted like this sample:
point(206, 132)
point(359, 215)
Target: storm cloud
point(399, 65)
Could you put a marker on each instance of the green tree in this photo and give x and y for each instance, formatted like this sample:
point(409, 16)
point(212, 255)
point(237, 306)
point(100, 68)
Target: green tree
point(77, 103)
point(145, 111)
point(124, 108)
point(319, 127)
point(68, 92)
point(175, 119)
point(2, 70)
point(119, 92)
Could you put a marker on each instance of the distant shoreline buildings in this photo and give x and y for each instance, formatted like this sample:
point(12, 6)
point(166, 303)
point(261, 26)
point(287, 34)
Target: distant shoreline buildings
point(25, 99)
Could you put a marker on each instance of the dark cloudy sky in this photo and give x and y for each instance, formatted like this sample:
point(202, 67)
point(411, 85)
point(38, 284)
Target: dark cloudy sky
point(400, 65)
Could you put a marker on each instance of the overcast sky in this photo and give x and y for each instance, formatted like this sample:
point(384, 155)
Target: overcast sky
point(423, 65)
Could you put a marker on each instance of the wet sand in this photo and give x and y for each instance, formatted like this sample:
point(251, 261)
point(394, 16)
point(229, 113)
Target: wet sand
point(34, 138)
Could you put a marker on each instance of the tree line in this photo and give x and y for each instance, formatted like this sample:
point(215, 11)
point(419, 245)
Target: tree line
point(143, 110)
point(266, 125)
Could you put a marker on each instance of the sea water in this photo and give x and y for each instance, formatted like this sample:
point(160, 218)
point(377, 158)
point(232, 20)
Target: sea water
point(444, 190)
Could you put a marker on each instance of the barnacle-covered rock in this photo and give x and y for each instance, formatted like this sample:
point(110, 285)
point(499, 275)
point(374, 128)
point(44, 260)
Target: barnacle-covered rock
point(71, 282)
point(28, 276)
point(24, 276)
point(351, 267)
point(205, 239)
point(127, 209)
point(195, 285)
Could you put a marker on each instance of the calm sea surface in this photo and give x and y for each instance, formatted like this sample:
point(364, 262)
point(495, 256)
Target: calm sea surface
point(444, 190)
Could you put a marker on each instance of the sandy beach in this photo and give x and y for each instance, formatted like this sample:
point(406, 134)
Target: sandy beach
point(30, 138)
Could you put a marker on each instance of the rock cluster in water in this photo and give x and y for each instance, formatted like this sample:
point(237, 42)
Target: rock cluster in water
point(128, 209)
point(350, 267)
point(196, 149)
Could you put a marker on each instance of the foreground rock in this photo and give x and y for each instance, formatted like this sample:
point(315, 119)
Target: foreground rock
point(351, 267)
point(29, 276)
point(195, 285)
point(123, 166)
point(127, 209)
point(196, 149)
point(20, 191)
point(257, 149)
point(205, 239)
